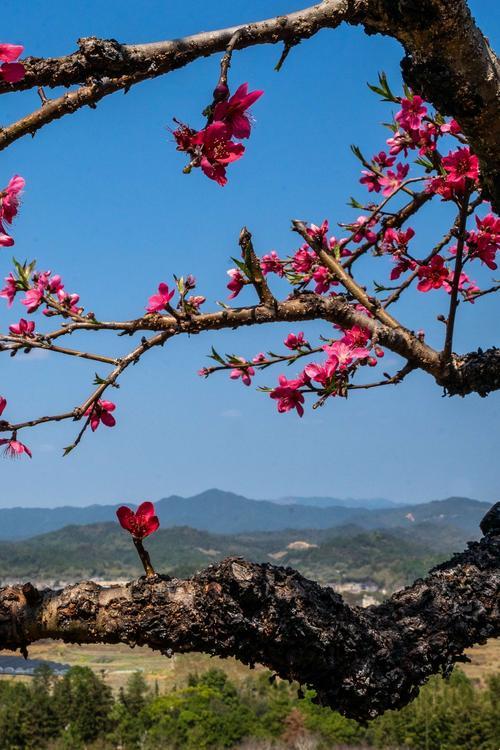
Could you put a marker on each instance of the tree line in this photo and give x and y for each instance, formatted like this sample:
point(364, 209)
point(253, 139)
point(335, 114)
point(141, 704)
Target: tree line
point(80, 711)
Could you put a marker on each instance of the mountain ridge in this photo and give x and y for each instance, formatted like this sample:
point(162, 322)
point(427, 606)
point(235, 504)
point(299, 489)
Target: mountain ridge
point(222, 512)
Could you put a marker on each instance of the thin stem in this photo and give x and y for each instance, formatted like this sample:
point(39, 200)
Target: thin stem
point(450, 325)
point(145, 559)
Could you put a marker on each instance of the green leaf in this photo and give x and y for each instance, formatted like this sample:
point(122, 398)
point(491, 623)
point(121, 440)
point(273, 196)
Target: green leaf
point(353, 203)
point(216, 356)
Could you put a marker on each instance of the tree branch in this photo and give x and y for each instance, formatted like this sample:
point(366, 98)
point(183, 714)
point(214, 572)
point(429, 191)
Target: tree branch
point(448, 61)
point(360, 662)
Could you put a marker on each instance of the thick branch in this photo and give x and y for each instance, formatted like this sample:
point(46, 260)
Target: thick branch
point(360, 662)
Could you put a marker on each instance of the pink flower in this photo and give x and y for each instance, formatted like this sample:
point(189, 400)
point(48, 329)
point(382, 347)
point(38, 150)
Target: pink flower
point(10, 289)
point(3, 404)
point(245, 373)
point(402, 265)
point(451, 127)
point(11, 71)
point(433, 275)
point(400, 142)
point(14, 449)
point(383, 161)
point(293, 341)
point(233, 112)
point(10, 198)
point(217, 150)
point(196, 301)
point(288, 395)
point(396, 241)
point(159, 302)
point(69, 301)
point(464, 285)
point(271, 263)
point(393, 180)
point(51, 284)
point(184, 137)
point(361, 229)
point(303, 260)
point(440, 186)
point(23, 328)
point(33, 299)
point(485, 243)
point(345, 354)
point(237, 282)
point(318, 234)
point(323, 373)
point(259, 358)
point(140, 523)
point(5, 239)
point(371, 180)
point(323, 280)
point(101, 412)
point(461, 165)
point(356, 336)
point(411, 114)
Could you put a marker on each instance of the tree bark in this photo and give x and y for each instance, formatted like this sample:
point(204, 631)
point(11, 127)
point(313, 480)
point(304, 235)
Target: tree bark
point(361, 662)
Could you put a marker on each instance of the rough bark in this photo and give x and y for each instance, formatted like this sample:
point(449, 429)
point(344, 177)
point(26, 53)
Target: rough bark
point(360, 661)
point(448, 60)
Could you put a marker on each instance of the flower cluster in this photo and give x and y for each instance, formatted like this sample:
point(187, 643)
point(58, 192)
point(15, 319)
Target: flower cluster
point(40, 288)
point(10, 70)
point(213, 147)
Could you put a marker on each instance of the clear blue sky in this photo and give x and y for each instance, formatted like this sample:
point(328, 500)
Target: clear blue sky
point(108, 207)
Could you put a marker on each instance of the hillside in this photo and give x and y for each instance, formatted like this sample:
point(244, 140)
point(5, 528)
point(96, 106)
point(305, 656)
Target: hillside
point(226, 513)
point(389, 558)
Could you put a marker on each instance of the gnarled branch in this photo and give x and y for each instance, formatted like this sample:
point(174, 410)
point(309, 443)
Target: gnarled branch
point(360, 662)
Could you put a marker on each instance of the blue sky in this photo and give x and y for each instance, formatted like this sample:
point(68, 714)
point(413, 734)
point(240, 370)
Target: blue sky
point(108, 207)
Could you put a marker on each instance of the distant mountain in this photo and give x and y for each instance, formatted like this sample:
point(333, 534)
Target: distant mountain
point(221, 512)
point(389, 558)
point(349, 502)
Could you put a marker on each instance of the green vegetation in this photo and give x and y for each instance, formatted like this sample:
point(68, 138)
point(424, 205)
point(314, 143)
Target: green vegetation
point(391, 558)
point(211, 713)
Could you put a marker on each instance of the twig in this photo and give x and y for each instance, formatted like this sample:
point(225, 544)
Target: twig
point(450, 325)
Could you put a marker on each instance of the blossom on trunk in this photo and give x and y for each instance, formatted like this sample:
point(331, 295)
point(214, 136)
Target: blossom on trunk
point(140, 523)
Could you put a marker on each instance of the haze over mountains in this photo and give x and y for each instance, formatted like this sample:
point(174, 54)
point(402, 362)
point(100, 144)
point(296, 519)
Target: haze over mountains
point(221, 512)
